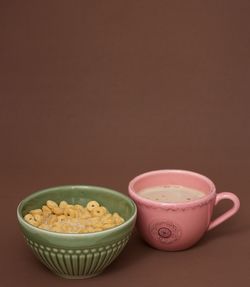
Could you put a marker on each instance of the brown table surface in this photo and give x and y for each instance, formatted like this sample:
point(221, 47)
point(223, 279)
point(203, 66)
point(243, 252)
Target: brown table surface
point(96, 92)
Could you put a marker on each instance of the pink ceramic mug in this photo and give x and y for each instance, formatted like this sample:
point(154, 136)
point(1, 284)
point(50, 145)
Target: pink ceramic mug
point(177, 226)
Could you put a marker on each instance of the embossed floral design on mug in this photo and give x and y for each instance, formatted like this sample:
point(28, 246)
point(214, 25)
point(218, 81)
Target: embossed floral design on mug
point(177, 224)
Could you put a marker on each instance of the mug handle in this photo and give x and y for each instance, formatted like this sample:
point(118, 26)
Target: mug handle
point(227, 214)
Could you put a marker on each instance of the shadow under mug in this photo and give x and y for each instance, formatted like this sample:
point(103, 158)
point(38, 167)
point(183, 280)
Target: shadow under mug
point(177, 226)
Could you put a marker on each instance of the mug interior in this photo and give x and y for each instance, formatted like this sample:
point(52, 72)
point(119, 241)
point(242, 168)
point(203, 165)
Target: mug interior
point(172, 177)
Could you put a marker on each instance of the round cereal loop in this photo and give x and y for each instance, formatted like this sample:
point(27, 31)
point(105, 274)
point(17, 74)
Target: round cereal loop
point(92, 204)
point(66, 212)
point(33, 222)
point(98, 211)
point(46, 210)
point(29, 217)
point(38, 218)
point(117, 219)
point(51, 204)
point(57, 210)
point(72, 213)
point(63, 204)
point(115, 215)
point(36, 211)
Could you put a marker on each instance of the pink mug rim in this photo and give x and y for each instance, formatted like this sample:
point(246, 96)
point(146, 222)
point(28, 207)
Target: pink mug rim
point(204, 200)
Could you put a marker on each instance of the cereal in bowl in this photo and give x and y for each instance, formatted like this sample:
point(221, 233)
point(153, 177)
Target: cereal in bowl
point(69, 218)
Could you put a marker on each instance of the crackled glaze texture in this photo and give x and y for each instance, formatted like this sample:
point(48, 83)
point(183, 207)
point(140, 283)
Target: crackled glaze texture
point(77, 256)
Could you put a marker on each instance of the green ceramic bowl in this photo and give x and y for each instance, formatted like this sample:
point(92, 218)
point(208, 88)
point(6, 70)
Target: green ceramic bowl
point(78, 255)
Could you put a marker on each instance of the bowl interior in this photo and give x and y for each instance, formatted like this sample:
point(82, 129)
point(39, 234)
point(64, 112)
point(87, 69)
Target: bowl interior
point(113, 200)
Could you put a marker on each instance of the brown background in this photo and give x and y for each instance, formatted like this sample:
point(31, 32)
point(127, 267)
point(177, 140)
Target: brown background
point(96, 92)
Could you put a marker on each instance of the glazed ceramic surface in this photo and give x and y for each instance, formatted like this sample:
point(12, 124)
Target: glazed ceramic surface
point(177, 226)
point(78, 255)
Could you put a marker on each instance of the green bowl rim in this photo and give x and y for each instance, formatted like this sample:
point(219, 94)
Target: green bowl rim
point(61, 234)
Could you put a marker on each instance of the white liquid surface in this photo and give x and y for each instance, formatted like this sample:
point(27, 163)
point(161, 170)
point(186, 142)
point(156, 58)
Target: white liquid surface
point(171, 193)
